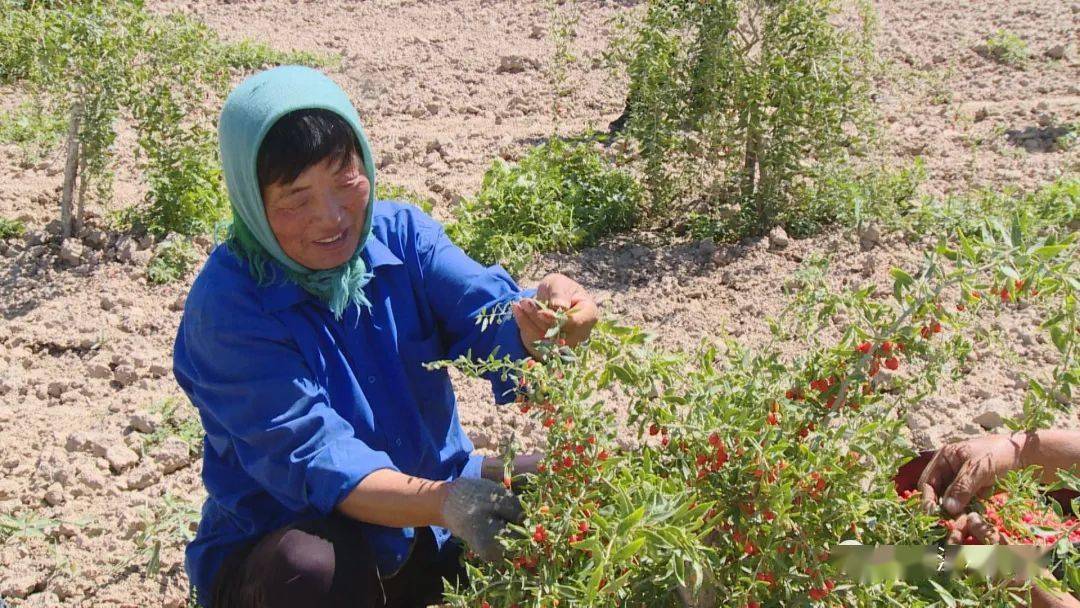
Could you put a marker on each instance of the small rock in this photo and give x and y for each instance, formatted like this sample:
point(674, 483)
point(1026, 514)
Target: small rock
point(44, 599)
point(142, 478)
point(989, 419)
point(173, 454)
point(142, 257)
point(483, 440)
point(778, 239)
point(54, 494)
point(126, 248)
point(19, 585)
point(71, 252)
point(121, 458)
point(537, 32)
point(92, 478)
point(57, 388)
point(869, 265)
point(107, 303)
point(158, 370)
point(512, 64)
point(125, 375)
point(67, 530)
point(706, 248)
point(869, 237)
point(1058, 51)
point(144, 422)
point(95, 239)
point(9, 488)
point(178, 304)
point(98, 370)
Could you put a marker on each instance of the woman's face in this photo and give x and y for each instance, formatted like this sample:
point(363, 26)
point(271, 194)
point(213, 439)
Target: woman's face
point(317, 219)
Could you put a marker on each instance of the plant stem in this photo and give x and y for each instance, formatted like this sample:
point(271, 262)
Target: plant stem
point(70, 169)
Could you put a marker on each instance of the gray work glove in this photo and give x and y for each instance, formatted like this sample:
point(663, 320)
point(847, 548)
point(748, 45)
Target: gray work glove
point(477, 510)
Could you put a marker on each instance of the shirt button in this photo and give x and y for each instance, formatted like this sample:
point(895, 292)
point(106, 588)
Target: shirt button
point(398, 442)
point(371, 379)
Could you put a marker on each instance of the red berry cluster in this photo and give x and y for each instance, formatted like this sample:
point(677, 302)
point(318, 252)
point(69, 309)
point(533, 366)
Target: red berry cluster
point(710, 462)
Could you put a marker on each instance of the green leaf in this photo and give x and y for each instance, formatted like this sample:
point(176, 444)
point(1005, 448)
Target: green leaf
point(628, 550)
point(630, 521)
point(945, 596)
point(1010, 272)
point(1047, 252)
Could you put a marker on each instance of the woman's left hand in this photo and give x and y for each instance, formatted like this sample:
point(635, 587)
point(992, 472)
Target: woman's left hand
point(558, 292)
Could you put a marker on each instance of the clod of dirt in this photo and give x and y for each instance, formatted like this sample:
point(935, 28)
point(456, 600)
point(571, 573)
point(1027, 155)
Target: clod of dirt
point(125, 375)
point(514, 64)
point(72, 252)
point(173, 454)
point(778, 239)
point(121, 458)
point(98, 370)
point(142, 478)
point(144, 422)
point(44, 599)
point(21, 584)
point(54, 494)
point(869, 237)
point(1058, 51)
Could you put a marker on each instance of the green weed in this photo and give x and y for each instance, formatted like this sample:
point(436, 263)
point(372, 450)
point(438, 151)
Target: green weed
point(34, 129)
point(24, 526)
point(177, 420)
point(1007, 48)
point(11, 229)
point(172, 520)
point(173, 259)
point(1054, 207)
point(558, 198)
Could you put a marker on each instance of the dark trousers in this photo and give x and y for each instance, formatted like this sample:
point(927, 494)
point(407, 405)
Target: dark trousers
point(327, 563)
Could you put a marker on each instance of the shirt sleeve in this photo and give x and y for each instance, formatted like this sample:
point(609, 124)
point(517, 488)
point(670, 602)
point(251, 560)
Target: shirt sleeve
point(459, 289)
point(242, 369)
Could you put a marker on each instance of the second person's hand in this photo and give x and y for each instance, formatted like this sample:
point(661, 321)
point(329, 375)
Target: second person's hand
point(559, 293)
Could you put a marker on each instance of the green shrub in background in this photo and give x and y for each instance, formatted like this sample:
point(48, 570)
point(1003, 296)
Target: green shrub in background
point(96, 59)
point(10, 229)
point(35, 129)
point(558, 198)
point(1054, 208)
point(172, 260)
point(734, 104)
point(401, 194)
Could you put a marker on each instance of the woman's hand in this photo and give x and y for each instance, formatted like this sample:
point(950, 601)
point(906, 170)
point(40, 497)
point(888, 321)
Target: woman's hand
point(477, 511)
point(960, 470)
point(558, 292)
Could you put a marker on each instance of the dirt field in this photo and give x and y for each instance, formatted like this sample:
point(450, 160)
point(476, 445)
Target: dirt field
point(444, 87)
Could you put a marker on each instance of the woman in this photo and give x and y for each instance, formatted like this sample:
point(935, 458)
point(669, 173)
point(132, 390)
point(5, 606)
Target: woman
point(336, 467)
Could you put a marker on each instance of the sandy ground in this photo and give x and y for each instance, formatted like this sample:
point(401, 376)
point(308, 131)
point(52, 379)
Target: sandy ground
point(85, 343)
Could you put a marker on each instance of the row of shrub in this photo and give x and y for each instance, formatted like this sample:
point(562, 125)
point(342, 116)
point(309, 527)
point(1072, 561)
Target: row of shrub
point(741, 115)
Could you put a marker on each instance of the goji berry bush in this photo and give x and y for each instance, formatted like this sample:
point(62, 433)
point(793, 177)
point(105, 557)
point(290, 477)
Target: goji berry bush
point(750, 468)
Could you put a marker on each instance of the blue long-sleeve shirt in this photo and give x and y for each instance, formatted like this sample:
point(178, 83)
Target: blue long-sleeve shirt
point(299, 407)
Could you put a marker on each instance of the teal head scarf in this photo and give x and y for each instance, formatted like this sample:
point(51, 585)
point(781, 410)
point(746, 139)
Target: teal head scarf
point(249, 112)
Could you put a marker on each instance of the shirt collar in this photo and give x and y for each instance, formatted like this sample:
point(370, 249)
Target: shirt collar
point(283, 293)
